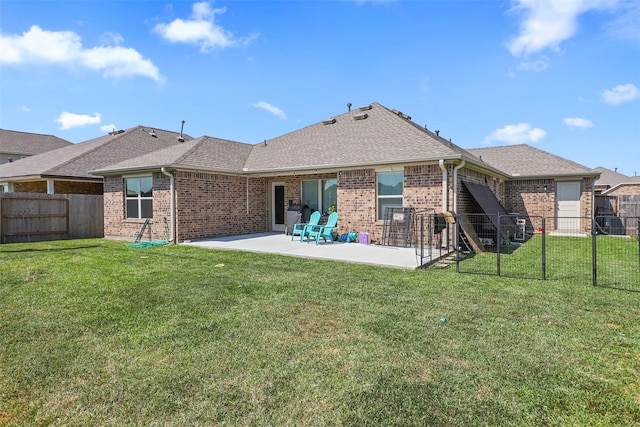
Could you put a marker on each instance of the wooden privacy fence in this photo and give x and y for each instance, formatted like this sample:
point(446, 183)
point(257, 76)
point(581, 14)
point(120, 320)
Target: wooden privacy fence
point(30, 217)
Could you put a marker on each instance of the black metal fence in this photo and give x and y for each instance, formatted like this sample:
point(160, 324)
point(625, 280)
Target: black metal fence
point(429, 233)
point(601, 251)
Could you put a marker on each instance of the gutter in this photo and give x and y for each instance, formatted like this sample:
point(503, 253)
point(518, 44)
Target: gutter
point(172, 190)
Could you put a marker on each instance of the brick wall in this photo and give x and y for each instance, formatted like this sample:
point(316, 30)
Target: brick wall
point(30, 187)
point(357, 202)
point(466, 202)
point(116, 225)
point(77, 187)
point(531, 198)
point(626, 190)
point(423, 187)
point(213, 205)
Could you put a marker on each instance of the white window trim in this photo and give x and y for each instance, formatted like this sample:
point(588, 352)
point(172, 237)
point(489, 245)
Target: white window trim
point(138, 197)
point(380, 214)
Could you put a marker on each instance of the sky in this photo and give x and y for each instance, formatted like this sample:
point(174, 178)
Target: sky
point(560, 75)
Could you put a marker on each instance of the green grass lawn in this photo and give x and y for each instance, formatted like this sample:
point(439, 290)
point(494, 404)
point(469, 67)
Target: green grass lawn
point(92, 333)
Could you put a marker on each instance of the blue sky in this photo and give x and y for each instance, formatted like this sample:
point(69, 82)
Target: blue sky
point(560, 75)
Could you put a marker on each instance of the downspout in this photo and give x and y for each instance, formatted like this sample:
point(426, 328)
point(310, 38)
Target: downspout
point(445, 186)
point(172, 191)
point(455, 185)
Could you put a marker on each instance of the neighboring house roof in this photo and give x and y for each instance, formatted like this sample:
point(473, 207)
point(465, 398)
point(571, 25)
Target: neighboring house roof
point(28, 144)
point(524, 161)
point(205, 153)
point(609, 178)
point(75, 161)
point(368, 135)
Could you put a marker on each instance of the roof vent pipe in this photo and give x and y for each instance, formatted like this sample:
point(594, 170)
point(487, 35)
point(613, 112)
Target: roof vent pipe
point(437, 131)
point(181, 138)
point(349, 106)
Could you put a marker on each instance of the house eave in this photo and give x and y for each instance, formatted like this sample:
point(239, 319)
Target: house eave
point(157, 168)
point(557, 177)
point(294, 170)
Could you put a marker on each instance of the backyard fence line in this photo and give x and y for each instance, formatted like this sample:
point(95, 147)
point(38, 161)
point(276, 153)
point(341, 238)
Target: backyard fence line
point(30, 217)
point(602, 251)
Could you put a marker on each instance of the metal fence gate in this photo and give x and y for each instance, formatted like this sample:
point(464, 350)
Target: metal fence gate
point(600, 251)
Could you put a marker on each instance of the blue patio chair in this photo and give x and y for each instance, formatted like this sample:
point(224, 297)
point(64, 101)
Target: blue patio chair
point(298, 229)
point(321, 231)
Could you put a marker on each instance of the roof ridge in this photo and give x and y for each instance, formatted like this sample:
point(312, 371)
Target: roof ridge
point(196, 144)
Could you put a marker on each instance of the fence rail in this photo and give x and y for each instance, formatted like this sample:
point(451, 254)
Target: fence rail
point(28, 217)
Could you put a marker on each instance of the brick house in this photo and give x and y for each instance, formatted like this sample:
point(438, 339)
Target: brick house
point(358, 162)
point(617, 194)
point(65, 170)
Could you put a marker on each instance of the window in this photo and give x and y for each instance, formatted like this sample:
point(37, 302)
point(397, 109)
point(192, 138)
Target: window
point(389, 191)
point(320, 194)
point(139, 197)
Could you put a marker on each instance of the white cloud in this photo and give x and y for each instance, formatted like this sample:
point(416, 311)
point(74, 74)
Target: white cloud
point(108, 128)
point(270, 108)
point(626, 25)
point(201, 29)
point(547, 23)
point(70, 120)
point(520, 133)
point(64, 48)
point(24, 108)
point(578, 122)
point(534, 66)
point(111, 38)
point(620, 94)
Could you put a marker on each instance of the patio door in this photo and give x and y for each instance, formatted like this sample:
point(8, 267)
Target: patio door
point(568, 207)
point(277, 206)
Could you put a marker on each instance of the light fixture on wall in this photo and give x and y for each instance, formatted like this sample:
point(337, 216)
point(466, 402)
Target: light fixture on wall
point(544, 188)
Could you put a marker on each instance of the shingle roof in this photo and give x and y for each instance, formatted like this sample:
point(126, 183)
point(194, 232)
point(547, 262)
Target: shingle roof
point(365, 136)
point(205, 153)
point(77, 160)
point(525, 161)
point(29, 144)
point(610, 178)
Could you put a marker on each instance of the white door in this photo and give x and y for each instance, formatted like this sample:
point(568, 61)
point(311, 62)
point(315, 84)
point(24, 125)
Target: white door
point(568, 206)
point(277, 206)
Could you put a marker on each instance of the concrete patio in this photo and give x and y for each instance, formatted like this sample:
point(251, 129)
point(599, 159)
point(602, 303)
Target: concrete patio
point(281, 244)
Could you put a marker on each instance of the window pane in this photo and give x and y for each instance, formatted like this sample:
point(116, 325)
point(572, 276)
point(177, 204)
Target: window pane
point(133, 186)
point(146, 187)
point(147, 208)
point(388, 202)
point(132, 208)
point(310, 194)
point(329, 193)
point(390, 184)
